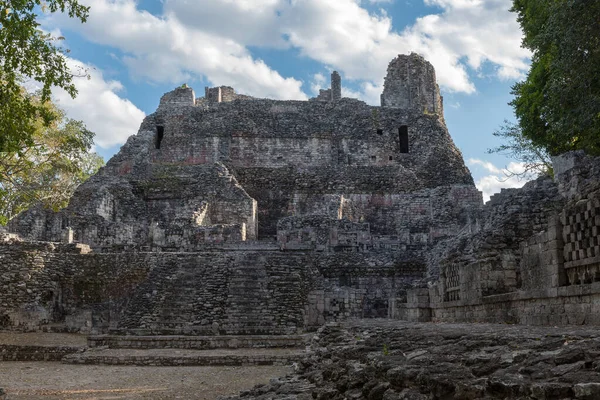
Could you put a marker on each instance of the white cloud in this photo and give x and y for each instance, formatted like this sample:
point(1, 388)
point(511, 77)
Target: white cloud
point(166, 50)
point(98, 105)
point(488, 166)
point(462, 37)
point(318, 82)
point(498, 178)
point(250, 22)
point(211, 39)
point(353, 94)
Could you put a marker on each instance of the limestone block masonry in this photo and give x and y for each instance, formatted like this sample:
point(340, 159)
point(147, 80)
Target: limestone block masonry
point(230, 215)
point(533, 257)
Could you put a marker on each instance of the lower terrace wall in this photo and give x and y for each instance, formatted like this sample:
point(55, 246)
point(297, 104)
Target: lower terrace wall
point(63, 288)
point(572, 305)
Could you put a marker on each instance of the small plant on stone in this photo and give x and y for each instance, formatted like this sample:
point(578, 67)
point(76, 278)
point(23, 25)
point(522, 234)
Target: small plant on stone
point(386, 351)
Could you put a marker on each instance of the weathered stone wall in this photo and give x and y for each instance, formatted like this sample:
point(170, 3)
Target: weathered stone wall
point(63, 287)
point(408, 222)
point(324, 95)
point(534, 259)
point(255, 133)
point(35, 353)
point(181, 96)
point(323, 233)
point(157, 207)
point(410, 84)
point(46, 283)
point(219, 94)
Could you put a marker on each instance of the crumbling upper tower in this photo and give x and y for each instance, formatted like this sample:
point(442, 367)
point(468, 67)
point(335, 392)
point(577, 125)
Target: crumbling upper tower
point(334, 93)
point(336, 86)
point(410, 84)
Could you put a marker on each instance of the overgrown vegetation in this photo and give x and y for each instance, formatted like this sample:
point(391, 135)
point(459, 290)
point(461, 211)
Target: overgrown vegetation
point(26, 52)
point(558, 104)
point(535, 159)
point(43, 155)
point(47, 168)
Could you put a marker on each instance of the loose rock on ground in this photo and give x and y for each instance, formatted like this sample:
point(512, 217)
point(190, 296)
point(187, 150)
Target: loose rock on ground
point(391, 360)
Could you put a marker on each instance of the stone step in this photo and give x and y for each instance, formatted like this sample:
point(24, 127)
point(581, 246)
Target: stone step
point(182, 324)
point(198, 342)
point(10, 352)
point(171, 357)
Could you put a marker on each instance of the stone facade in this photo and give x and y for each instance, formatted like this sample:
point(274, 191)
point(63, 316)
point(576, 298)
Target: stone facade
point(533, 257)
point(66, 287)
point(229, 214)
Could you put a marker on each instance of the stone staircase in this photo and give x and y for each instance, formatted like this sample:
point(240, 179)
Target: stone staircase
point(249, 293)
point(248, 299)
point(210, 309)
point(179, 298)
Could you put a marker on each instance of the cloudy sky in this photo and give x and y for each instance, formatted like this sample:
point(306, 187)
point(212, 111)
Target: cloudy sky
point(285, 49)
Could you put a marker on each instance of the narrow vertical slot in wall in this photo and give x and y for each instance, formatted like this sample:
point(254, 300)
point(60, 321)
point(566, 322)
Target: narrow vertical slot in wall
point(403, 136)
point(160, 133)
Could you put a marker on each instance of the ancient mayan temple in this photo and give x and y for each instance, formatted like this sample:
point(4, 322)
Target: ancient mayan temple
point(331, 174)
point(228, 214)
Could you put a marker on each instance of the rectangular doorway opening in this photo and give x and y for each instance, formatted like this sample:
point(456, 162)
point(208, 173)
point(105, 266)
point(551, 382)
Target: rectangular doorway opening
point(160, 133)
point(403, 136)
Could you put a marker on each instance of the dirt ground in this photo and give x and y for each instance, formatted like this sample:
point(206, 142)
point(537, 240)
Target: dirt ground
point(53, 380)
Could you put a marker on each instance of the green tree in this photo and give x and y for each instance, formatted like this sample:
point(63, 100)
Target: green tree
point(536, 159)
point(558, 104)
point(26, 51)
point(49, 168)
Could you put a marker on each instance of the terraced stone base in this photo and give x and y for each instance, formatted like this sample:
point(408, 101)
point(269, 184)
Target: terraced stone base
point(35, 353)
point(198, 342)
point(170, 357)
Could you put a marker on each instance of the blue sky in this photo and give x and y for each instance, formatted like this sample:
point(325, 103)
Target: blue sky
point(134, 51)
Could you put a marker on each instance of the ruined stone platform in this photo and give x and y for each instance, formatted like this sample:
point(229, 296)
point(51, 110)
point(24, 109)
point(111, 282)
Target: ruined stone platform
point(383, 359)
point(198, 342)
point(16, 346)
point(184, 350)
point(175, 357)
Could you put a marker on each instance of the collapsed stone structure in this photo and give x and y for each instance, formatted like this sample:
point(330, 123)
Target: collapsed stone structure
point(229, 214)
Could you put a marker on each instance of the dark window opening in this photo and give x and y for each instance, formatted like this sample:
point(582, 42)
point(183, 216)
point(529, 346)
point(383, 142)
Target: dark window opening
point(160, 133)
point(47, 296)
point(391, 158)
point(403, 135)
point(373, 158)
point(380, 131)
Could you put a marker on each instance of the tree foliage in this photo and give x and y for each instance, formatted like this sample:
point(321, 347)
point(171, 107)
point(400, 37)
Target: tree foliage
point(535, 159)
point(49, 168)
point(558, 104)
point(27, 51)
